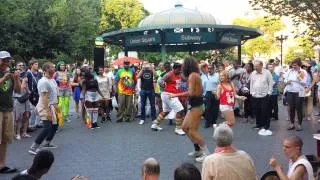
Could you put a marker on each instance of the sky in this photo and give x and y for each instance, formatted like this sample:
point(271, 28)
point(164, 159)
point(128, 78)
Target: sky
point(223, 10)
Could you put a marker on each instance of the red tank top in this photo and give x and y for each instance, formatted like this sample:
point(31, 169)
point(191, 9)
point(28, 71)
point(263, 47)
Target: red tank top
point(172, 85)
point(227, 96)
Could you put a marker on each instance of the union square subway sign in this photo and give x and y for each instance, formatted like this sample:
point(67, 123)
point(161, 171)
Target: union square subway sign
point(172, 38)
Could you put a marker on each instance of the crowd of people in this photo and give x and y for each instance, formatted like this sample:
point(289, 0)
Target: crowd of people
point(187, 92)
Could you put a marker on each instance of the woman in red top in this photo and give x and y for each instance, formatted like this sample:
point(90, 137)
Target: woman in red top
point(226, 92)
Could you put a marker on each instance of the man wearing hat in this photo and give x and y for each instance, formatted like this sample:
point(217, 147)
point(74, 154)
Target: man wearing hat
point(125, 81)
point(9, 82)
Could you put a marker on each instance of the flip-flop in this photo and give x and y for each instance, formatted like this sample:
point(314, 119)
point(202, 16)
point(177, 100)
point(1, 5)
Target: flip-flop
point(7, 170)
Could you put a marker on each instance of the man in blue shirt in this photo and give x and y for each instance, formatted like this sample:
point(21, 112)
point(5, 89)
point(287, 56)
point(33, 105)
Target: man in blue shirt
point(212, 104)
point(275, 93)
point(204, 75)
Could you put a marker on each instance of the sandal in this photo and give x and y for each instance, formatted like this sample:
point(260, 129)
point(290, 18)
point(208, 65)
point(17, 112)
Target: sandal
point(26, 135)
point(7, 170)
point(291, 127)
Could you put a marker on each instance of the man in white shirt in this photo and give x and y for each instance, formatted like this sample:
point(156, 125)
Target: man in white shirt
point(261, 84)
point(295, 80)
point(278, 68)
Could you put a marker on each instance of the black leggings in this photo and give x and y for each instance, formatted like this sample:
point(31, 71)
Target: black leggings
point(295, 104)
point(48, 132)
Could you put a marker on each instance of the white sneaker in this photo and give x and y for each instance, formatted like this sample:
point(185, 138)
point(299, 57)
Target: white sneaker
point(262, 132)
point(201, 158)
point(18, 137)
point(215, 125)
point(141, 122)
point(156, 127)
point(195, 153)
point(268, 132)
point(179, 131)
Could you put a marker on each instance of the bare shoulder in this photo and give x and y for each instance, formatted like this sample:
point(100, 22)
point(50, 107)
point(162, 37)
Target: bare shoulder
point(299, 172)
point(194, 76)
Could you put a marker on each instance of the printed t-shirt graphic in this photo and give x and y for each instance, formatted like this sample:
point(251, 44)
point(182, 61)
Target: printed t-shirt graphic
point(126, 81)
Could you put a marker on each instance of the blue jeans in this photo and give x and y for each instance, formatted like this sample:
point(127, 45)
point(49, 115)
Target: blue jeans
point(143, 97)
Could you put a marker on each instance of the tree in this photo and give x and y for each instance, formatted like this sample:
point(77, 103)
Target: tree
point(301, 11)
point(120, 14)
point(303, 49)
point(266, 43)
point(27, 30)
point(50, 28)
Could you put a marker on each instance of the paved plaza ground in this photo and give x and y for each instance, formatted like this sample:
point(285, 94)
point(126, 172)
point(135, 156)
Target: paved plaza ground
point(117, 150)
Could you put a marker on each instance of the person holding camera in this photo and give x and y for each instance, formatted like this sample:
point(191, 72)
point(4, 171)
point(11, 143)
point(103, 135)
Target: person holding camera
point(9, 82)
point(22, 110)
point(147, 74)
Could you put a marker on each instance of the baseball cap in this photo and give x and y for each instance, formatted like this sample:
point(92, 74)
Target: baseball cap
point(4, 55)
point(126, 61)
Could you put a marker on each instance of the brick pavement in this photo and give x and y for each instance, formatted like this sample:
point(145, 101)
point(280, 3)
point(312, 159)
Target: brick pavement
point(116, 151)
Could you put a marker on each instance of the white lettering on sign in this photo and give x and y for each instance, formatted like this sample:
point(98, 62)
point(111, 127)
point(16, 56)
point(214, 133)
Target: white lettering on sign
point(190, 38)
point(143, 40)
point(229, 39)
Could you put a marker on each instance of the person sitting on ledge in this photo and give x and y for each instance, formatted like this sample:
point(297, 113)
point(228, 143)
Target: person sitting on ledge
point(299, 167)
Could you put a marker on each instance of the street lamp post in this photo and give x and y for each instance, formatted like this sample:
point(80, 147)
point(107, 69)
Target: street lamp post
point(98, 53)
point(281, 38)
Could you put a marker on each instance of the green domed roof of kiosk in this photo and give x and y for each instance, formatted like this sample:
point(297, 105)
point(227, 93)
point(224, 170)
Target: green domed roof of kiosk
point(177, 16)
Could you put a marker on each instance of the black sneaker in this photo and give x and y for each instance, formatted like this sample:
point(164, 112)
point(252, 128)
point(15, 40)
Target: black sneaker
point(108, 118)
point(50, 146)
point(97, 126)
point(256, 127)
point(93, 126)
point(119, 120)
point(103, 119)
point(33, 150)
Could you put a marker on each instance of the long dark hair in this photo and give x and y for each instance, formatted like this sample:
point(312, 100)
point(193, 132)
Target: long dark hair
point(190, 65)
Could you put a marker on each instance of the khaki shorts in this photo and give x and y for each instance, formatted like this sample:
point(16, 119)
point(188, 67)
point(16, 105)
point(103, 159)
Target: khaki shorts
point(6, 127)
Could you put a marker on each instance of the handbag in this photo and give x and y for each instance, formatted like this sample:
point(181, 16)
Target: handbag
point(24, 98)
point(33, 97)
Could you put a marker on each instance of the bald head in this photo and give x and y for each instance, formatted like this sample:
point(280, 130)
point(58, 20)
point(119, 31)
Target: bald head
point(296, 140)
point(151, 167)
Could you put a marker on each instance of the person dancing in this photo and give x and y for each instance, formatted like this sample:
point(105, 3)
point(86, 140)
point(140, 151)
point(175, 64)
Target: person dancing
point(226, 93)
point(105, 86)
point(170, 82)
point(91, 91)
point(64, 92)
point(76, 89)
point(192, 120)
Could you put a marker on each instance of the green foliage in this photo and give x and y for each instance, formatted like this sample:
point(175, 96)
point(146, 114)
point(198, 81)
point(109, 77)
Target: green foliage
point(301, 11)
point(303, 49)
point(120, 14)
point(265, 44)
point(45, 28)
